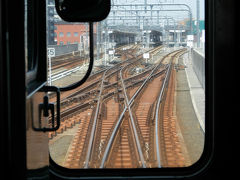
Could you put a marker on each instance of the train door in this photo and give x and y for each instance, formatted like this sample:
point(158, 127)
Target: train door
point(42, 91)
point(12, 89)
point(27, 113)
point(38, 108)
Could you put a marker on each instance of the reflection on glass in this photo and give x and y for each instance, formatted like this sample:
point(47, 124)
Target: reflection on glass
point(143, 105)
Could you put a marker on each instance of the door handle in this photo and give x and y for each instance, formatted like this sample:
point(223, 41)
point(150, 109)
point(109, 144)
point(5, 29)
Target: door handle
point(45, 107)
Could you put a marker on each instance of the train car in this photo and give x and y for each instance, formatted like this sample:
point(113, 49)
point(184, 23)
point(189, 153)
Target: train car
point(121, 38)
point(49, 131)
point(152, 38)
point(155, 38)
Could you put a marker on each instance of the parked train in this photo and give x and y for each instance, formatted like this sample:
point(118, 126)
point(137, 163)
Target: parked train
point(152, 38)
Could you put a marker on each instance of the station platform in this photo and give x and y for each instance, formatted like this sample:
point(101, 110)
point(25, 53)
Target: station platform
point(196, 90)
point(190, 110)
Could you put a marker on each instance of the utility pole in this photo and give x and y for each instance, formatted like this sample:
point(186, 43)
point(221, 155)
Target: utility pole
point(174, 35)
point(198, 33)
point(98, 40)
point(145, 2)
point(167, 33)
point(105, 43)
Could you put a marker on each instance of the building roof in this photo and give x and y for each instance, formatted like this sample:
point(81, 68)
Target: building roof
point(68, 23)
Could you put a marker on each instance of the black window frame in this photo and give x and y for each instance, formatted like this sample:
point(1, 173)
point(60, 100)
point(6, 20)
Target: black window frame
point(36, 46)
point(155, 173)
point(223, 39)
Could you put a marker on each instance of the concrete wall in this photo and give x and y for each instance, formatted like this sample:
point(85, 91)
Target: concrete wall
point(198, 60)
point(64, 49)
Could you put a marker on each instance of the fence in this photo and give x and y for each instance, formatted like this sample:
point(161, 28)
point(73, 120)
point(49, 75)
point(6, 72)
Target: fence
point(64, 49)
point(198, 60)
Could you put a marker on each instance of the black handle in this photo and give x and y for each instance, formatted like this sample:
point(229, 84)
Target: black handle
point(45, 107)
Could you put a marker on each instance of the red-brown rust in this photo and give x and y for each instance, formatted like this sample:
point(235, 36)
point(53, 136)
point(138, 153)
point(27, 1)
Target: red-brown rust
point(123, 153)
point(109, 116)
point(171, 147)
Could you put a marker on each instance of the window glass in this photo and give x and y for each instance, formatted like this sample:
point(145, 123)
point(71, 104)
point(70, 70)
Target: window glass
point(61, 34)
point(76, 34)
point(144, 103)
point(65, 58)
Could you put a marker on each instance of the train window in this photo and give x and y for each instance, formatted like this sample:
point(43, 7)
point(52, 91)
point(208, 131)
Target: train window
point(144, 104)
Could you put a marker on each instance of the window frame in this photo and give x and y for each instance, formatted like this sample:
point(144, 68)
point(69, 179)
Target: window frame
point(75, 34)
point(61, 34)
point(68, 34)
point(207, 155)
point(36, 77)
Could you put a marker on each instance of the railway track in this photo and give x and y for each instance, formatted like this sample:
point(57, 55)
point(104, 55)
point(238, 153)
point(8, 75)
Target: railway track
point(74, 59)
point(118, 126)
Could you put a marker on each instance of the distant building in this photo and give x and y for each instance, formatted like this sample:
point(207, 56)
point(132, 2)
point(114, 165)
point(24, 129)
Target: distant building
point(50, 22)
point(186, 23)
point(69, 33)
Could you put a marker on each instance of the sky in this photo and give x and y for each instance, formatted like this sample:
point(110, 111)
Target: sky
point(193, 5)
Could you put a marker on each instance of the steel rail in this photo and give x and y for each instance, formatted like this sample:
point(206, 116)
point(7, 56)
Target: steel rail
point(119, 122)
point(95, 119)
point(66, 99)
point(158, 106)
point(90, 143)
point(93, 129)
point(156, 118)
point(111, 139)
point(133, 123)
point(82, 90)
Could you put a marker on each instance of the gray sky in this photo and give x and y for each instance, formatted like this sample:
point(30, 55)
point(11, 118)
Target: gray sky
point(193, 5)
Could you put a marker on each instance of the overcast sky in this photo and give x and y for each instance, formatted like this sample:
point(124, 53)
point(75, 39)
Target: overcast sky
point(193, 5)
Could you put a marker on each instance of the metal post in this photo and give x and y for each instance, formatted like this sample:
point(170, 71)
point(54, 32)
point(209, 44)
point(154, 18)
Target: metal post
point(50, 70)
point(190, 17)
point(105, 44)
point(180, 37)
point(174, 36)
point(145, 2)
point(198, 35)
point(167, 34)
point(161, 5)
point(151, 10)
point(98, 40)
